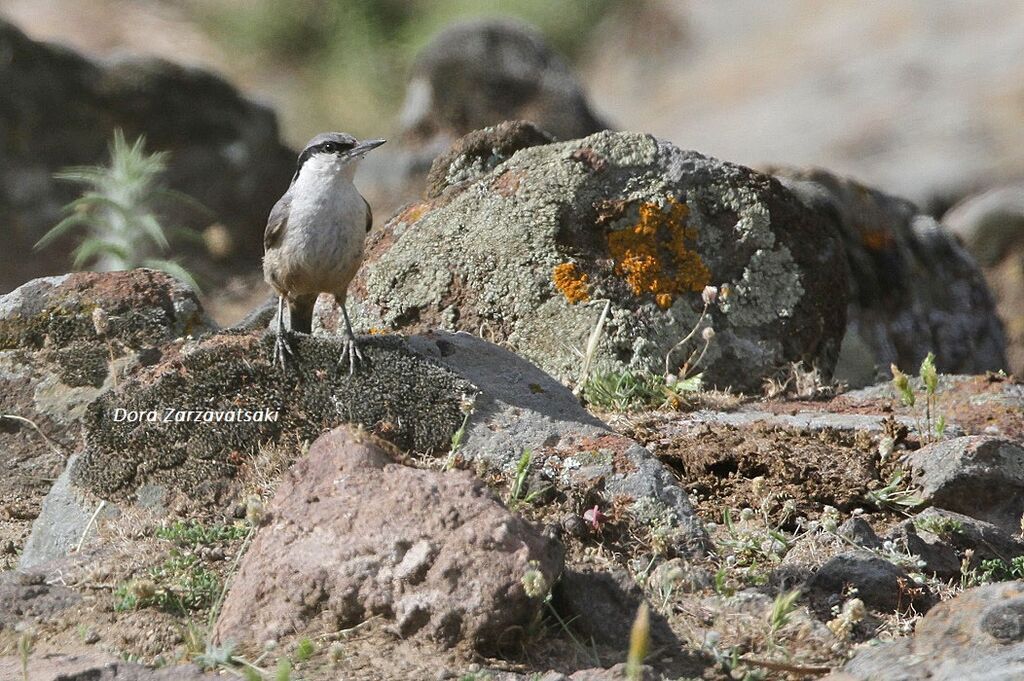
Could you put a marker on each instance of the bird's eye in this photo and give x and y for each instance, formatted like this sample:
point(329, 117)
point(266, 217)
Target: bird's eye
point(330, 147)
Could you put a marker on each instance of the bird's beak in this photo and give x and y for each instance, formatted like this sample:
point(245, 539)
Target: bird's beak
point(365, 146)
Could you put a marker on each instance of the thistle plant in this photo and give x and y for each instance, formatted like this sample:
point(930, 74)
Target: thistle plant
point(116, 212)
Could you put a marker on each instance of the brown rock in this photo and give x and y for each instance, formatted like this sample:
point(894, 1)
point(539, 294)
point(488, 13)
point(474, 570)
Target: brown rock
point(353, 535)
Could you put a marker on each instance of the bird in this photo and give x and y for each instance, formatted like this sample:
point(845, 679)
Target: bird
point(314, 238)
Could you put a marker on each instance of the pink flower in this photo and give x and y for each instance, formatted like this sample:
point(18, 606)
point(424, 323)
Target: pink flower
point(709, 294)
point(595, 517)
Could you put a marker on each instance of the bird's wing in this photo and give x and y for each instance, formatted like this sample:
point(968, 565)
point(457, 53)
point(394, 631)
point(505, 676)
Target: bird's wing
point(369, 215)
point(277, 222)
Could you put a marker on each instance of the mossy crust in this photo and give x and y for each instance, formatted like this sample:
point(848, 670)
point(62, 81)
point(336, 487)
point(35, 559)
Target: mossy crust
point(141, 308)
point(407, 399)
point(644, 225)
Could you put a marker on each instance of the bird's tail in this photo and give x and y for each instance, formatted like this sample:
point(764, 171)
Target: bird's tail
point(300, 313)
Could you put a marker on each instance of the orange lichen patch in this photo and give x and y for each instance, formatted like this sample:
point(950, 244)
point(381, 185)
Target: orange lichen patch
point(654, 255)
point(876, 239)
point(376, 331)
point(571, 282)
point(413, 212)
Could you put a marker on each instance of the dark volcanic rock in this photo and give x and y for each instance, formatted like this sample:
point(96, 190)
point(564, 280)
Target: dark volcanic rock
point(525, 249)
point(433, 551)
point(61, 109)
point(414, 392)
point(880, 584)
point(913, 288)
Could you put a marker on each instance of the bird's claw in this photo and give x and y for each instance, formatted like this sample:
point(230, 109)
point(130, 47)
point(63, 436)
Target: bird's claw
point(351, 350)
point(282, 349)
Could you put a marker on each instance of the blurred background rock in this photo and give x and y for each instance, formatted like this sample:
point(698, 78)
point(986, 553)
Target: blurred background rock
point(923, 99)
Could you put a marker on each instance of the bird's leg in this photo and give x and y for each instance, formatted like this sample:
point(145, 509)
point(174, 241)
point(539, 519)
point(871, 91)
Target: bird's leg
point(351, 349)
point(281, 346)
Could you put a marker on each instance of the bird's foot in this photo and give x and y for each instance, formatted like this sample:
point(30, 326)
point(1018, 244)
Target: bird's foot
point(282, 349)
point(351, 350)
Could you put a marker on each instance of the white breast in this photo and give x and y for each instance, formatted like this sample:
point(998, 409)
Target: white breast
point(323, 242)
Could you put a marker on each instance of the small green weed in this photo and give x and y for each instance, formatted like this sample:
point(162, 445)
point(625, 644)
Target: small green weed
point(931, 430)
point(305, 649)
point(178, 585)
point(626, 391)
point(193, 533)
point(896, 495)
point(939, 525)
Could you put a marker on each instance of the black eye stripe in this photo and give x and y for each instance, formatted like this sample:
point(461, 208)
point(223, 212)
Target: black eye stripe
point(332, 147)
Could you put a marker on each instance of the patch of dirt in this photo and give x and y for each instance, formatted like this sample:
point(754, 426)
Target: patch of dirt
point(723, 466)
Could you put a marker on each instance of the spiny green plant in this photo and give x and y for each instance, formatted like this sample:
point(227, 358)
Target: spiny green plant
point(116, 211)
point(782, 607)
point(305, 649)
point(178, 585)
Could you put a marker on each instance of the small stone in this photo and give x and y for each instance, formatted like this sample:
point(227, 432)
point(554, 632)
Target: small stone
point(91, 637)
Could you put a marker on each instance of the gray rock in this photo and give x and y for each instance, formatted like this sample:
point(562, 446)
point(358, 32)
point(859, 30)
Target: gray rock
point(93, 666)
point(25, 596)
point(860, 532)
point(66, 521)
point(471, 75)
point(979, 476)
point(991, 225)
point(454, 565)
point(519, 408)
point(913, 288)
point(62, 108)
point(962, 532)
point(877, 582)
point(525, 250)
point(976, 636)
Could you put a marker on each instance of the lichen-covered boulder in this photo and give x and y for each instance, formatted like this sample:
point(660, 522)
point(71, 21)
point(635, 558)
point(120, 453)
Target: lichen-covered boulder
point(525, 250)
point(61, 109)
point(181, 434)
point(913, 288)
point(351, 534)
point(185, 425)
point(64, 341)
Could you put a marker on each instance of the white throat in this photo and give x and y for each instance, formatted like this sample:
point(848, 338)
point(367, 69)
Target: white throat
point(325, 171)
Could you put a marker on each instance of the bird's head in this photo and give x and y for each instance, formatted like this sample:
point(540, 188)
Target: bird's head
point(335, 152)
